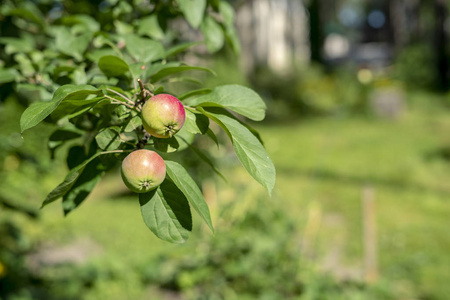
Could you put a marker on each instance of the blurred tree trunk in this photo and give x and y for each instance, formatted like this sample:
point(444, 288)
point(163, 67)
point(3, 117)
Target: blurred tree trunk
point(315, 30)
point(440, 44)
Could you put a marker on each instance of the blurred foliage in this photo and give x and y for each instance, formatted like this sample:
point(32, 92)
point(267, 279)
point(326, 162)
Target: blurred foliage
point(415, 66)
point(311, 91)
point(257, 256)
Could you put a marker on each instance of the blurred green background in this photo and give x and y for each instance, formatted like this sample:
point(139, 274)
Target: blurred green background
point(358, 112)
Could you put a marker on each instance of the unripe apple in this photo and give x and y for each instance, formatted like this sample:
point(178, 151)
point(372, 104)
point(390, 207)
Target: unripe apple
point(143, 170)
point(163, 115)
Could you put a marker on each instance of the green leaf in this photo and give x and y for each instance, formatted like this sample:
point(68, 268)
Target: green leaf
point(112, 66)
point(237, 98)
point(193, 10)
point(186, 79)
point(108, 138)
point(60, 136)
point(133, 124)
point(68, 182)
point(194, 93)
point(227, 12)
point(233, 39)
point(95, 55)
point(65, 186)
point(80, 190)
point(166, 212)
point(88, 22)
point(196, 123)
point(169, 70)
point(7, 75)
point(138, 69)
point(77, 155)
point(214, 38)
point(247, 147)
point(25, 65)
point(207, 160)
point(33, 92)
point(212, 136)
point(167, 145)
point(149, 26)
point(123, 28)
point(143, 49)
point(180, 48)
point(37, 112)
point(85, 183)
point(71, 107)
point(14, 45)
point(156, 67)
point(28, 10)
point(189, 188)
point(71, 44)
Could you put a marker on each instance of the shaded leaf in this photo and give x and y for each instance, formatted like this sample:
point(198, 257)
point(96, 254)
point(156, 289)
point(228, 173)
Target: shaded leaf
point(233, 39)
point(193, 10)
point(108, 138)
point(180, 48)
point(28, 11)
point(64, 135)
point(189, 188)
point(88, 22)
point(112, 65)
point(7, 75)
point(156, 67)
point(72, 107)
point(247, 147)
point(194, 93)
point(166, 212)
point(143, 49)
point(59, 137)
point(133, 124)
point(167, 145)
point(14, 45)
point(149, 26)
point(83, 186)
point(213, 34)
point(37, 112)
point(227, 12)
point(207, 160)
point(196, 123)
point(213, 136)
point(95, 55)
point(70, 44)
point(70, 180)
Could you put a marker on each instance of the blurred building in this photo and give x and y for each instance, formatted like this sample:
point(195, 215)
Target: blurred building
point(280, 33)
point(273, 33)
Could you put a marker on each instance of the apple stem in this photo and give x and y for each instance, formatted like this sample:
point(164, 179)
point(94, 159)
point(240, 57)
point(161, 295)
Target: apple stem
point(144, 92)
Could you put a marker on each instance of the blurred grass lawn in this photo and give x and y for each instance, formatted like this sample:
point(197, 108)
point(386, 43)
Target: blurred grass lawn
point(322, 166)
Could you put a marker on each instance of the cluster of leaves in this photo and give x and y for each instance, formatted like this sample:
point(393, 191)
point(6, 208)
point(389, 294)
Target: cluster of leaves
point(47, 44)
point(86, 80)
point(255, 258)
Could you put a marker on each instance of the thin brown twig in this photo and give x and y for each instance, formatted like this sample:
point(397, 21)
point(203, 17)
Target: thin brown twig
point(115, 101)
point(120, 95)
point(141, 85)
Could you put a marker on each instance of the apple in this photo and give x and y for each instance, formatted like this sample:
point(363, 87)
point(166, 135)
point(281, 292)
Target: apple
point(163, 115)
point(143, 170)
